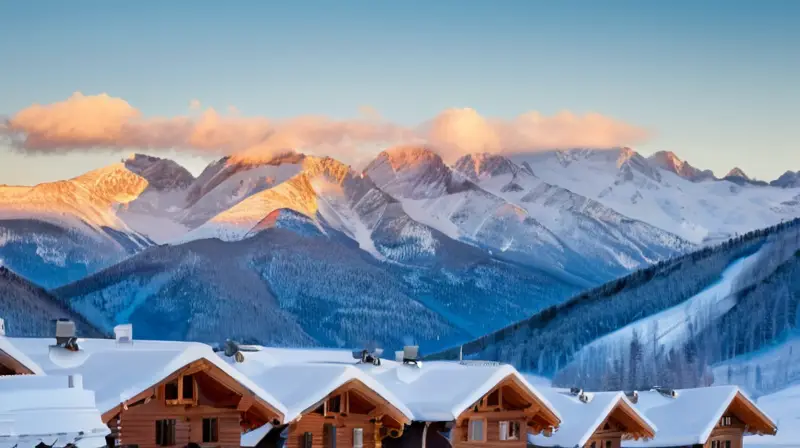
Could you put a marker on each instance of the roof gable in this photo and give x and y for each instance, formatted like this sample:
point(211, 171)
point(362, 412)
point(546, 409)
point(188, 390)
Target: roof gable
point(699, 411)
point(121, 372)
point(583, 419)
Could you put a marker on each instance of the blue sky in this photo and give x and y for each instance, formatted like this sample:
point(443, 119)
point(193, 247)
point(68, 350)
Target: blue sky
point(715, 81)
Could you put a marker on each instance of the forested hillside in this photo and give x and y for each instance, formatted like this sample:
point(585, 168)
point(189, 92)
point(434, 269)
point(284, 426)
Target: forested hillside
point(667, 324)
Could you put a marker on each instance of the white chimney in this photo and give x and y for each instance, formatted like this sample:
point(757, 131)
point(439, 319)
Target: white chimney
point(398, 356)
point(75, 381)
point(123, 333)
point(2, 327)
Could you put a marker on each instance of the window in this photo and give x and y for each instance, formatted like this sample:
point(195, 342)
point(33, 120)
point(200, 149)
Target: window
point(493, 399)
point(358, 438)
point(210, 430)
point(509, 430)
point(727, 444)
point(188, 387)
point(725, 421)
point(165, 432)
point(476, 433)
point(608, 444)
point(335, 404)
point(171, 391)
point(180, 391)
point(594, 445)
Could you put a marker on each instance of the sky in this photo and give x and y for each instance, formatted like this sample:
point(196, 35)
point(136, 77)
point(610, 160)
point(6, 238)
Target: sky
point(713, 81)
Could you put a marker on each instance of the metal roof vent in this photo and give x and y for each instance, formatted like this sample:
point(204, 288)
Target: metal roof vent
point(123, 333)
point(65, 335)
point(411, 354)
point(2, 327)
point(669, 393)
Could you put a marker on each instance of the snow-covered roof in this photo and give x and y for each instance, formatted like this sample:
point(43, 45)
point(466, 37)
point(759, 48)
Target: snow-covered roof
point(48, 409)
point(117, 372)
point(437, 391)
point(581, 418)
point(7, 347)
point(690, 416)
point(301, 383)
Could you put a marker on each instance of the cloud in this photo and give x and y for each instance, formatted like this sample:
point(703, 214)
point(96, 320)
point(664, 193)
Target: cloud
point(85, 122)
point(195, 104)
point(461, 131)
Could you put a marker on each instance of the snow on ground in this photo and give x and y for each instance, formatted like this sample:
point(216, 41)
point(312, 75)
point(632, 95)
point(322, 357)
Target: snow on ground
point(765, 371)
point(784, 408)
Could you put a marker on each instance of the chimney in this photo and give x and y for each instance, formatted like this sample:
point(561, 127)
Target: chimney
point(123, 333)
point(399, 355)
point(411, 354)
point(75, 381)
point(633, 396)
point(65, 334)
point(2, 327)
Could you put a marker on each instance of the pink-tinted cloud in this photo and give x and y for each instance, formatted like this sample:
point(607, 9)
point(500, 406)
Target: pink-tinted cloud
point(460, 131)
point(100, 121)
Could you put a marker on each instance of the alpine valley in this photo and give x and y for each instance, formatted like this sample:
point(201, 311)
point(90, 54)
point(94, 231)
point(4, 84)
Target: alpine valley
point(303, 250)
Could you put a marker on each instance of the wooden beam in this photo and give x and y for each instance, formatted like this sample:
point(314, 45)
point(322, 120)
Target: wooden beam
point(245, 403)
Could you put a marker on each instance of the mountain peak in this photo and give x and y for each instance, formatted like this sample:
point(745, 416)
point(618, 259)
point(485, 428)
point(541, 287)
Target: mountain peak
point(249, 159)
point(737, 172)
point(405, 156)
point(669, 161)
point(161, 174)
point(789, 179)
point(477, 165)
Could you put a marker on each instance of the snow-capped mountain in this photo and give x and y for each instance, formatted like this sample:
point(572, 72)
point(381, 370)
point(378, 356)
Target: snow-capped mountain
point(608, 241)
point(789, 179)
point(669, 161)
point(624, 181)
point(297, 281)
point(58, 232)
point(511, 233)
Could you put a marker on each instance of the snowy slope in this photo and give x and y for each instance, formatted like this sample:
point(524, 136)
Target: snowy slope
point(674, 326)
point(611, 241)
point(58, 232)
point(699, 212)
point(690, 315)
point(436, 195)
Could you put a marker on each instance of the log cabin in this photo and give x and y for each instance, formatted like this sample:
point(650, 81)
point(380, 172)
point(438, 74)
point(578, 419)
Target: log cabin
point(54, 411)
point(452, 404)
point(155, 394)
point(467, 405)
point(593, 420)
point(329, 405)
point(707, 417)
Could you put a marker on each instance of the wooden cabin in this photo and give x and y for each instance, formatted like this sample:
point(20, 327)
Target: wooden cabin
point(328, 406)
point(198, 403)
point(448, 404)
point(709, 417)
point(593, 420)
point(503, 417)
point(12, 360)
point(155, 394)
